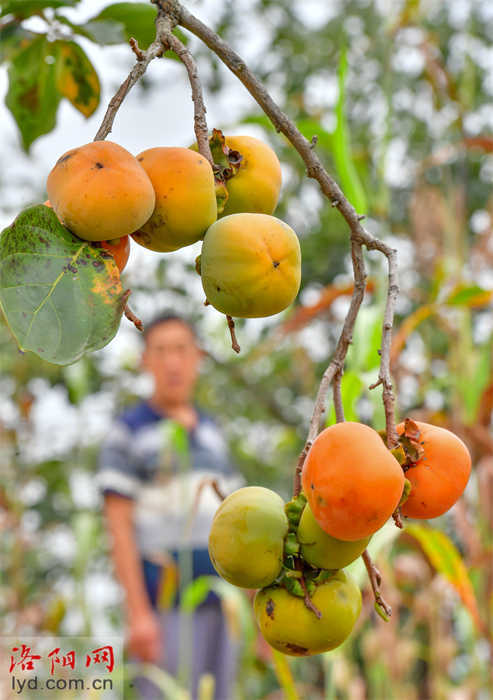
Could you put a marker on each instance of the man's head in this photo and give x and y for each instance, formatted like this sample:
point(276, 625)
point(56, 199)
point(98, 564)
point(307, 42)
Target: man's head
point(172, 356)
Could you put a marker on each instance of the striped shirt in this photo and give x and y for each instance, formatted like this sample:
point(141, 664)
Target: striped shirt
point(157, 463)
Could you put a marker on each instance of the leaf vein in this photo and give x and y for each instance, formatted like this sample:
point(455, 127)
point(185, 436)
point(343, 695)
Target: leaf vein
point(53, 287)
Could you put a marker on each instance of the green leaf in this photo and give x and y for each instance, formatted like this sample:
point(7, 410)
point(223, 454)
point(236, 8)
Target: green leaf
point(260, 119)
point(178, 438)
point(135, 19)
point(195, 593)
point(446, 560)
point(25, 8)
point(85, 526)
point(119, 22)
point(472, 380)
point(469, 296)
point(32, 96)
point(61, 296)
point(104, 32)
point(285, 675)
point(77, 79)
point(349, 178)
point(13, 38)
point(367, 337)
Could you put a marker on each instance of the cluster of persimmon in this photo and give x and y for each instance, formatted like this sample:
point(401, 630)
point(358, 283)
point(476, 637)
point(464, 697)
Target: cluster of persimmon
point(166, 198)
point(295, 553)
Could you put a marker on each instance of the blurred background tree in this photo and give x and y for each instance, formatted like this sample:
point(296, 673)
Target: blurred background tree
point(399, 97)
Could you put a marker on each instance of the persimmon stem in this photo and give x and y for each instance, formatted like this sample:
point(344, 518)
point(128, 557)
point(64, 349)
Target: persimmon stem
point(130, 314)
point(306, 598)
point(134, 45)
point(200, 122)
point(214, 485)
point(308, 601)
point(396, 515)
point(375, 582)
point(234, 342)
point(299, 469)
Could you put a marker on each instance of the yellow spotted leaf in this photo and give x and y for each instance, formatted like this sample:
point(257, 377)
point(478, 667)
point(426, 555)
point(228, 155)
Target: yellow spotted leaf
point(61, 297)
point(77, 79)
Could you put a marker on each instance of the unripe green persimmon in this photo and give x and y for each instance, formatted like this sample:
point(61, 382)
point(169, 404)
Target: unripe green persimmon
point(289, 626)
point(323, 551)
point(246, 540)
point(250, 265)
point(255, 187)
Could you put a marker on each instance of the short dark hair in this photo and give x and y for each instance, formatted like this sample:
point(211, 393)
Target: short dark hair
point(167, 317)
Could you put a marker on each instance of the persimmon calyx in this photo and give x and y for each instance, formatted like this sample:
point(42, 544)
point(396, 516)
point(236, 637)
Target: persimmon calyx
point(226, 160)
point(405, 493)
point(411, 444)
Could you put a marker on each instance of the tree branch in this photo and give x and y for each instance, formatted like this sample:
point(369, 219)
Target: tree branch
point(337, 364)
point(382, 607)
point(337, 397)
point(199, 118)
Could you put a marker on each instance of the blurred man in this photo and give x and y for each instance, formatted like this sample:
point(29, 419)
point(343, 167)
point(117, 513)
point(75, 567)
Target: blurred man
point(151, 464)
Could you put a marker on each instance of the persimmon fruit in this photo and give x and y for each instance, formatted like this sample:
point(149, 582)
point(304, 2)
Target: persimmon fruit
point(250, 265)
point(440, 476)
point(255, 187)
point(183, 182)
point(352, 482)
point(100, 191)
point(289, 626)
point(119, 249)
point(246, 540)
point(323, 551)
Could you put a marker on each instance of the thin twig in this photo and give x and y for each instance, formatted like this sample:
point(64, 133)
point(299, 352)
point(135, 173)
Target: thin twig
point(130, 314)
point(375, 581)
point(306, 597)
point(199, 110)
point(337, 397)
point(234, 342)
point(134, 45)
point(396, 515)
point(299, 469)
point(214, 485)
point(345, 339)
point(308, 601)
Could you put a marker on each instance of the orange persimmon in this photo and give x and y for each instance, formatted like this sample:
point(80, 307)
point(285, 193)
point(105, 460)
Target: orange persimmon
point(352, 482)
point(440, 475)
point(119, 249)
point(100, 191)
